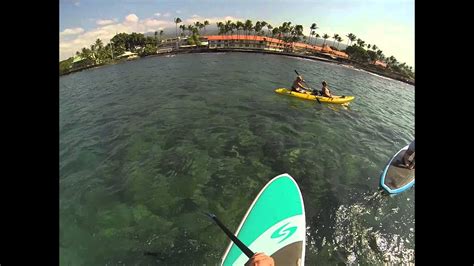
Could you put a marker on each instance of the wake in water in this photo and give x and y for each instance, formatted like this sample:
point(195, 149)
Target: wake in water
point(366, 232)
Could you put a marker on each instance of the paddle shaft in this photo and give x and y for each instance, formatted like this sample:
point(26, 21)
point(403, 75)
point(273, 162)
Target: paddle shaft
point(308, 85)
point(234, 239)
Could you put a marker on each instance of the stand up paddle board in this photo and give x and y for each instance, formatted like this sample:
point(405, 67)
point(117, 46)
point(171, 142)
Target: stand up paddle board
point(274, 224)
point(395, 177)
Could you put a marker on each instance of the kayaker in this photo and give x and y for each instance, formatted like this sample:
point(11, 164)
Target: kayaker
point(409, 156)
point(260, 259)
point(298, 85)
point(325, 90)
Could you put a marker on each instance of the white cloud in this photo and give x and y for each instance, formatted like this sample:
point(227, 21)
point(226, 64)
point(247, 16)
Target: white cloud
point(72, 40)
point(103, 22)
point(77, 3)
point(167, 14)
point(178, 11)
point(158, 14)
point(212, 20)
point(73, 31)
point(154, 22)
point(132, 18)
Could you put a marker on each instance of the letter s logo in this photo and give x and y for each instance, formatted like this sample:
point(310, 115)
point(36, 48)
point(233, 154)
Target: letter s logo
point(287, 232)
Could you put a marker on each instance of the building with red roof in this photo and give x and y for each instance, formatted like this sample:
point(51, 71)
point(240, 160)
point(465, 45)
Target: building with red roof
point(255, 42)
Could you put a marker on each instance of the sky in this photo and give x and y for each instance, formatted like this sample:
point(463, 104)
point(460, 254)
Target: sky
point(390, 24)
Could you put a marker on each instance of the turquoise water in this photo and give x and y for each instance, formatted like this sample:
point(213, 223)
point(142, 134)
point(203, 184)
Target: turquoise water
point(148, 144)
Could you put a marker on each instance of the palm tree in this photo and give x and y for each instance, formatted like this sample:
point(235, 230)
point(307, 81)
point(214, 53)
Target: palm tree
point(286, 28)
point(339, 40)
point(248, 25)
point(239, 26)
point(233, 27)
point(351, 37)
point(99, 44)
point(275, 31)
point(156, 36)
point(86, 54)
point(97, 50)
point(360, 42)
point(258, 27)
point(177, 21)
point(289, 28)
point(220, 26)
point(200, 26)
point(316, 38)
point(313, 30)
point(325, 36)
point(368, 46)
point(298, 31)
point(195, 30)
point(380, 54)
point(206, 23)
point(161, 34)
point(283, 28)
point(269, 28)
point(263, 24)
point(183, 28)
point(392, 60)
point(335, 37)
point(228, 26)
point(189, 28)
point(197, 24)
point(374, 47)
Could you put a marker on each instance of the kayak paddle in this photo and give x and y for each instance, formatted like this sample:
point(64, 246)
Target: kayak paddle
point(307, 84)
point(234, 239)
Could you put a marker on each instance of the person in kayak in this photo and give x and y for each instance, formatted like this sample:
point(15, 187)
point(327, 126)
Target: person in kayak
point(298, 85)
point(409, 156)
point(325, 90)
point(260, 259)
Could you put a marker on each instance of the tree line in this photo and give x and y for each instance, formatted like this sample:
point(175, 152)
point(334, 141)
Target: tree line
point(356, 48)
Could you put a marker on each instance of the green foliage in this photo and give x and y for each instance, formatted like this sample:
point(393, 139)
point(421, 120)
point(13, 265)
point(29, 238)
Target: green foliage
point(196, 39)
point(97, 53)
point(357, 53)
point(372, 55)
point(65, 65)
point(149, 50)
point(130, 41)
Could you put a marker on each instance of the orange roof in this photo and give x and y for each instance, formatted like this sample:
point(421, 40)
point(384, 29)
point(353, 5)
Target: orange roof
point(380, 63)
point(326, 48)
point(305, 45)
point(242, 37)
point(340, 54)
point(301, 45)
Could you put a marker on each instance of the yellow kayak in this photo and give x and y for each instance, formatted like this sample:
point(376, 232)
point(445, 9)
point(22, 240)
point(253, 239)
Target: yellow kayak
point(307, 96)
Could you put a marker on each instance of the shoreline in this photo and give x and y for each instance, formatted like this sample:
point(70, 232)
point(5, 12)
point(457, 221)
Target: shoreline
point(323, 58)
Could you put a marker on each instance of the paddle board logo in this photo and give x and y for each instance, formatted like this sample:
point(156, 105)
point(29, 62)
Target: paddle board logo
point(286, 232)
